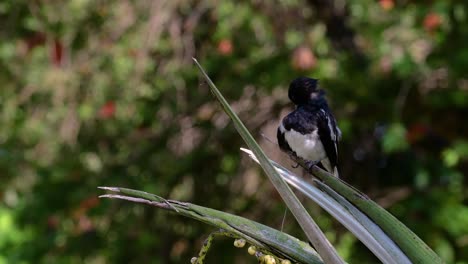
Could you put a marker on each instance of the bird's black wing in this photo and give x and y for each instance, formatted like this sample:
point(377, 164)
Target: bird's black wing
point(299, 120)
point(283, 144)
point(329, 135)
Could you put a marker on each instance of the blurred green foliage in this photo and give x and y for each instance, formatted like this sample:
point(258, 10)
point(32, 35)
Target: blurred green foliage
point(104, 93)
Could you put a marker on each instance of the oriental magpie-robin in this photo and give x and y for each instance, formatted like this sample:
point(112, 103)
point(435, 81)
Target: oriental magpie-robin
point(310, 131)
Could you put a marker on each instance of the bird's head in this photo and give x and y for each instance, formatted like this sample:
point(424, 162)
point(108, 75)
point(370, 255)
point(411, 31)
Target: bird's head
point(303, 90)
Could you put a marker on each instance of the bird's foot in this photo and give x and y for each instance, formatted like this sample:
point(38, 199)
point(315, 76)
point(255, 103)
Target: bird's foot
point(295, 166)
point(310, 163)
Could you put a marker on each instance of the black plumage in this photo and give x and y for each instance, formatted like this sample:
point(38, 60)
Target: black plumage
point(310, 131)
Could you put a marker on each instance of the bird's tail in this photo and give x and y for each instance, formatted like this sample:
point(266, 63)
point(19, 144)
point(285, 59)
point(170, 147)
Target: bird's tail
point(328, 167)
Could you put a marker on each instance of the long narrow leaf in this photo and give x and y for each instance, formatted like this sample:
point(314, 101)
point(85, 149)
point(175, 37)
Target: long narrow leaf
point(261, 236)
point(311, 229)
point(354, 220)
point(407, 240)
point(374, 230)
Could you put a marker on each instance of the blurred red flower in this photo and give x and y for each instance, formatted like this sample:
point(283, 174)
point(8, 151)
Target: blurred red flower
point(56, 53)
point(303, 59)
point(225, 47)
point(107, 110)
point(432, 21)
point(387, 4)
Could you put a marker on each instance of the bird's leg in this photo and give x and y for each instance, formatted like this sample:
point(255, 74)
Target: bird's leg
point(293, 157)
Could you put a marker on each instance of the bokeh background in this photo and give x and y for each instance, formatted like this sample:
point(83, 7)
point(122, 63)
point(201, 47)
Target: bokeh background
point(104, 93)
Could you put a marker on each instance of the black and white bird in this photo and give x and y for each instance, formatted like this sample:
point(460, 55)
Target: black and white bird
point(310, 131)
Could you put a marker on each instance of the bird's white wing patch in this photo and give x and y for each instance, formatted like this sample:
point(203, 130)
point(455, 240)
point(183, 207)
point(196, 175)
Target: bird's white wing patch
point(330, 126)
point(334, 136)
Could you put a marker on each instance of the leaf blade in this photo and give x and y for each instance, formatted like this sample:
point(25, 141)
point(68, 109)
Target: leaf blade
point(257, 234)
point(311, 229)
point(354, 220)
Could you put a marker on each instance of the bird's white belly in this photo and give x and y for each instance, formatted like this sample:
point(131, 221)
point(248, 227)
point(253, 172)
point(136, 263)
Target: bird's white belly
point(307, 146)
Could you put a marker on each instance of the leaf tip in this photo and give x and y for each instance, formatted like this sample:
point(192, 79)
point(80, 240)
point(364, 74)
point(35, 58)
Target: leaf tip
point(112, 189)
point(248, 151)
